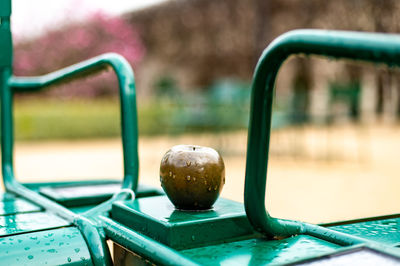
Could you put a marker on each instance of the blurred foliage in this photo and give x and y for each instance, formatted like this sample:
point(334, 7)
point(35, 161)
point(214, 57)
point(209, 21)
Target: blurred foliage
point(224, 107)
point(74, 43)
point(38, 119)
point(166, 86)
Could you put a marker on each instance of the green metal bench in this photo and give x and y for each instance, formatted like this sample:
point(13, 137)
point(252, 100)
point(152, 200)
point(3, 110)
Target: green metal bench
point(39, 227)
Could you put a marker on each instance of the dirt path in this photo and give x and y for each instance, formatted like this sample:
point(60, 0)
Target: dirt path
point(315, 174)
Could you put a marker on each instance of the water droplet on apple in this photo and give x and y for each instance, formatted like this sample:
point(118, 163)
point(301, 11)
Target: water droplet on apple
point(188, 178)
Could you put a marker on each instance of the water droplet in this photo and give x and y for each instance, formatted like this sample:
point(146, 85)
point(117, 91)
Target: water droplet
point(188, 178)
point(193, 238)
point(170, 173)
point(205, 182)
point(27, 248)
point(33, 237)
point(51, 250)
point(30, 257)
point(209, 189)
point(77, 250)
point(215, 188)
point(188, 163)
point(69, 259)
point(19, 240)
point(173, 176)
point(194, 178)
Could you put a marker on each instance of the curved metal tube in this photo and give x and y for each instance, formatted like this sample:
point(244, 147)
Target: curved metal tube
point(143, 245)
point(95, 240)
point(370, 47)
point(127, 92)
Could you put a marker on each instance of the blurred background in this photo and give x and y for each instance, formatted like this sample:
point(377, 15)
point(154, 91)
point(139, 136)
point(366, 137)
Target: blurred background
point(334, 144)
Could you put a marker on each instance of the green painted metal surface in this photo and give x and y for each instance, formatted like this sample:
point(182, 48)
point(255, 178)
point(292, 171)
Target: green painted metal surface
point(5, 8)
point(157, 217)
point(142, 245)
point(385, 231)
point(64, 246)
point(5, 43)
point(355, 256)
point(5, 35)
point(371, 47)
point(76, 194)
point(7, 197)
point(220, 236)
point(17, 205)
point(29, 222)
point(10, 84)
point(129, 129)
point(261, 251)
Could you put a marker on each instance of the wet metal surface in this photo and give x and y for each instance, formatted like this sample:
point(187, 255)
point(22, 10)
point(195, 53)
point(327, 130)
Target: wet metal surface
point(261, 251)
point(28, 222)
point(156, 217)
point(51, 247)
point(385, 231)
point(6, 197)
point(161, 208)
point(362, 256)
point(16, 205)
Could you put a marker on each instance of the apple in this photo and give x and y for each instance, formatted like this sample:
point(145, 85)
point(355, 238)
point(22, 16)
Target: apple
point(192, 176)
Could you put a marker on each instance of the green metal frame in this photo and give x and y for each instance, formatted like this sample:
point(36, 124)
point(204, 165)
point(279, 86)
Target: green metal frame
point(369, 47)
point(128, 109)
point(94, 236)
point(95, 225)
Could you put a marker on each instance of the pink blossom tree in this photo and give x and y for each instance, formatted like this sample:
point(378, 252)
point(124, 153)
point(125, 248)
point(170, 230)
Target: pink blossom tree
point(77, 42)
